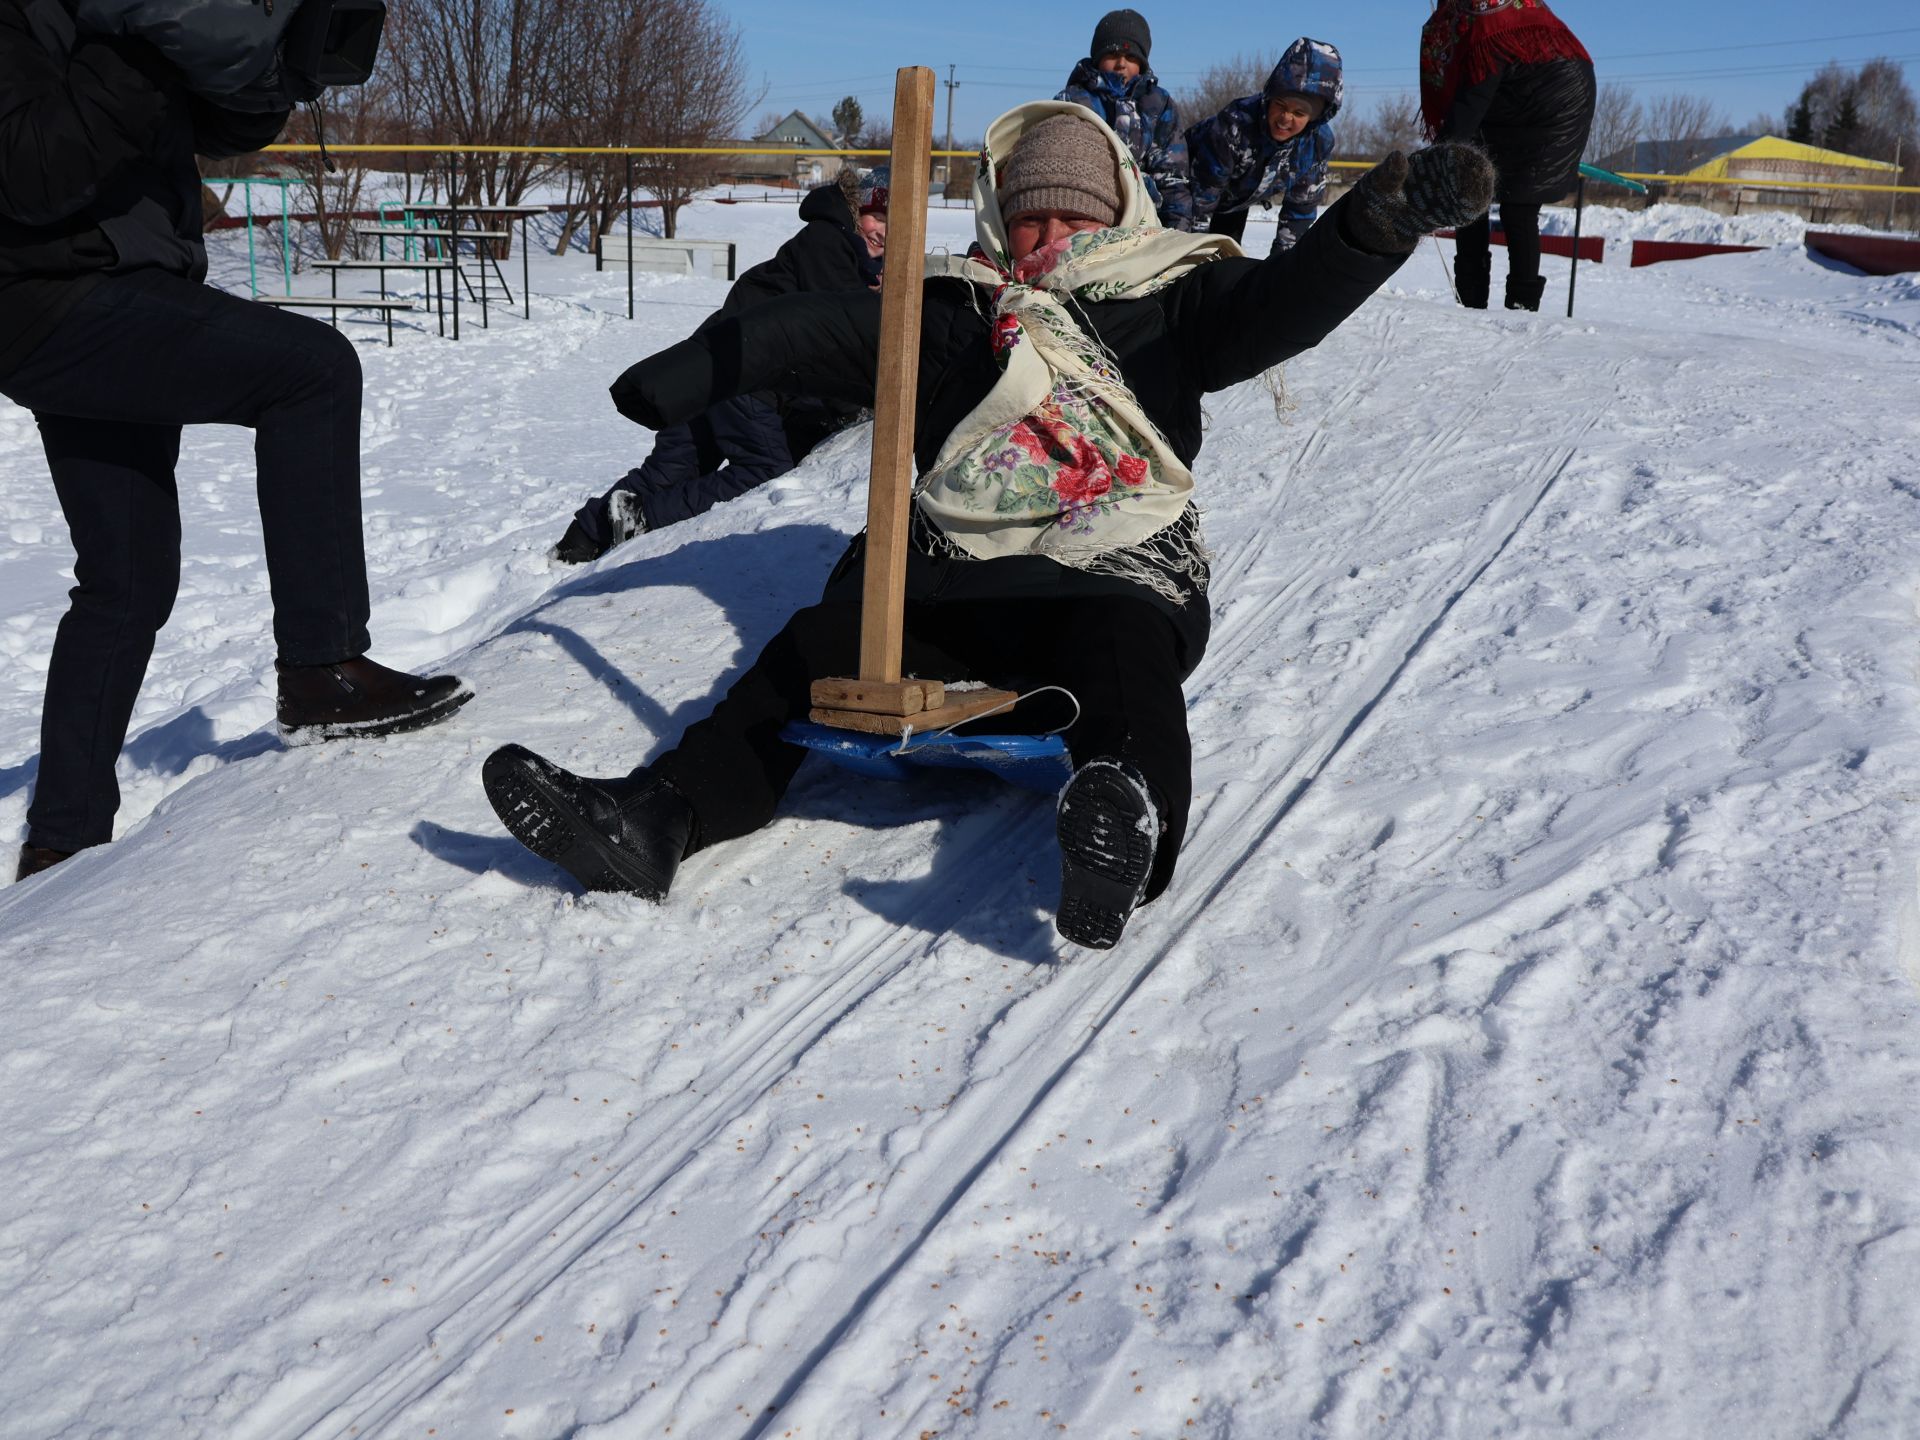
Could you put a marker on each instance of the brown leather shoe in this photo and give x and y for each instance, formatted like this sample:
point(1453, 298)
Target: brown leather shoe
point(358, 698)
point(35, 858)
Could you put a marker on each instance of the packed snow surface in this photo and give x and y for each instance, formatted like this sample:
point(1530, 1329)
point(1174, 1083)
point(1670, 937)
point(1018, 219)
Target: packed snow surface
point(1527, 1046)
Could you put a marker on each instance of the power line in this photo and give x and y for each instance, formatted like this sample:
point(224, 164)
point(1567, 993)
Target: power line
point(1598, 59)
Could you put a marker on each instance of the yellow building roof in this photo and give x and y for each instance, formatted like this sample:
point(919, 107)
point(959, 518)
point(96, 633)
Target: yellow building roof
point(1772, 147)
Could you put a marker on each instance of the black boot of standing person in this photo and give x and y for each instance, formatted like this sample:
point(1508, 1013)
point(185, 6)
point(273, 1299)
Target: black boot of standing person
point(1473, 263)
point(109, 336)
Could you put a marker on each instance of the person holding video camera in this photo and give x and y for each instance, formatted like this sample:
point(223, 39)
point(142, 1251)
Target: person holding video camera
point(110, 338)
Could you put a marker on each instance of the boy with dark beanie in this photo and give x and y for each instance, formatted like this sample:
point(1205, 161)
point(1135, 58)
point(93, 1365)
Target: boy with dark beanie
point(1114, 82)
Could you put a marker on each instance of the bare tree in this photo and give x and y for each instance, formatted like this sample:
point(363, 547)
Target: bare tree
point(480, 73)
point(1393, 124)
point(338, 197)
point(1888, 116)
point(1680, 131)
point(1618, 124)
point(1221, 84)
point(695, 95)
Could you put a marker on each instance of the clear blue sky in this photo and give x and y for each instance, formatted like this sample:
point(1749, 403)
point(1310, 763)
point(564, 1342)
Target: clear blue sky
point(1747, 57)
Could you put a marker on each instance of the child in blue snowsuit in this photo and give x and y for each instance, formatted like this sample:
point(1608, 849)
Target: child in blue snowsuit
point(1276, 143)
point(1115, 83)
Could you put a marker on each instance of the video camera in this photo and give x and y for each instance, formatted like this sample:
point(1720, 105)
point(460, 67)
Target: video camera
point(252, 54)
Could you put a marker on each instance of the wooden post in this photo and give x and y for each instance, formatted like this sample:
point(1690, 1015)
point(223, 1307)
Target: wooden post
point(880, 700)
point(890, 490)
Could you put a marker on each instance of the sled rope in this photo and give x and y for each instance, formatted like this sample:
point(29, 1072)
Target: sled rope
point(908, 732)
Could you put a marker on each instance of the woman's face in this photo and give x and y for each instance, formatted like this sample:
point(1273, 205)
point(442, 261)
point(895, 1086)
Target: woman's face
point(1288, 116)
point(1125, 66)
point(1032, 230)
point(873, 230)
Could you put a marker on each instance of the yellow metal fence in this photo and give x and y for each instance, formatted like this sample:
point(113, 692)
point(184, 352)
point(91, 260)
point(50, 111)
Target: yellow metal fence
point(370, 149)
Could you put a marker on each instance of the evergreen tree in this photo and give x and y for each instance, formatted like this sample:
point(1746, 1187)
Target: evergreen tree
point(848, 117)
point(1800, 119)
point(1845, 129)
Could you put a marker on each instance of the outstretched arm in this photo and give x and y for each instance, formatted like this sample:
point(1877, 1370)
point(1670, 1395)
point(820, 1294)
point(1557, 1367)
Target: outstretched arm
point(1302, 203)
point(1239, 318)
point(1208, 168)
point(220, 131)
point(1165, 164)
point(822, 344)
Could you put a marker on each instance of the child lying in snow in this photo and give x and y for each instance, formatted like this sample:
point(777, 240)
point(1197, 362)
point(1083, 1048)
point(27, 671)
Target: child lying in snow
point(1054, 541)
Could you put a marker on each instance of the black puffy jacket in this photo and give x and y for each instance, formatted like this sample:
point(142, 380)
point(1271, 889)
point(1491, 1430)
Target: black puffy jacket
point(1533, 119)
point(827, 256)
point(97, 175)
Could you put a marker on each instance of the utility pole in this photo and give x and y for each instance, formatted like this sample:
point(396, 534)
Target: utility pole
point(946, 165)
point(1892, 199)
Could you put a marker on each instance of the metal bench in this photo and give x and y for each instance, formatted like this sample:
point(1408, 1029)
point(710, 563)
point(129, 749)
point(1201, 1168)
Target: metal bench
point(432, 271)
point(337, 304)
point(449, 239)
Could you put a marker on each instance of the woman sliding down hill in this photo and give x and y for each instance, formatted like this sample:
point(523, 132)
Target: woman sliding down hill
point(1055, 541)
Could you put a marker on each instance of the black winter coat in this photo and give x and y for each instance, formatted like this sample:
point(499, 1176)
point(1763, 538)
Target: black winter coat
point(826, 257)
point(1221, 323)
point(1533, 119)
point(827, 254)
point(97, 175)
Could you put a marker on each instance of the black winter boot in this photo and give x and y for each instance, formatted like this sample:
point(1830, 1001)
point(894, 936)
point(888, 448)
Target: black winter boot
point(35, 858)
point(1109, 829)
point(628, 834)
point(1524, 294)
point(1472, 278)
point(358, 698)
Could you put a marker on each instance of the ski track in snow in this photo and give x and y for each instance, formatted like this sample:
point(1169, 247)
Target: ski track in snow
point(1523, 1045)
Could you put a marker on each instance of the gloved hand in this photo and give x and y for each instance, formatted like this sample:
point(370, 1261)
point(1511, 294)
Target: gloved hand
point(1402, 199)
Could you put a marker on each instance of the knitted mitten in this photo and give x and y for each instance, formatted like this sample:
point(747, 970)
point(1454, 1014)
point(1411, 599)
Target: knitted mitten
point(1401, 199)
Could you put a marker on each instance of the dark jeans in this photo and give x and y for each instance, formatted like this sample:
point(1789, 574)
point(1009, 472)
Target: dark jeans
point(684, 476)
point(1121, 657)
point(140, 356)
point(1522, 224)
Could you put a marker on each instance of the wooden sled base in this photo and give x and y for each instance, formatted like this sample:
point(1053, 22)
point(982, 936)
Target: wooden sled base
point(948, 707)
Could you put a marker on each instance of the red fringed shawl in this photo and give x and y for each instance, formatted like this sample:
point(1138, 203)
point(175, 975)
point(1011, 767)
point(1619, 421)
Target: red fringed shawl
point(1465, 41)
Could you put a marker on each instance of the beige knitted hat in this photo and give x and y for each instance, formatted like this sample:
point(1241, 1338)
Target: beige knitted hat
point(1063, 163)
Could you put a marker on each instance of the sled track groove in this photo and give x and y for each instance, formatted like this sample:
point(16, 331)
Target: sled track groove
point(1080, 1002)
point(545, 1239)
point(1086, 999)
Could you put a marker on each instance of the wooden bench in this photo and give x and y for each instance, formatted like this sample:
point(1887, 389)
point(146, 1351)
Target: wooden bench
point(336, 304)
point(711, 258)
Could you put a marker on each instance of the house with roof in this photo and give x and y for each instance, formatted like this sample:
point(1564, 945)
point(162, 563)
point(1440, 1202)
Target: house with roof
point(795, 131)
point(1773, 165)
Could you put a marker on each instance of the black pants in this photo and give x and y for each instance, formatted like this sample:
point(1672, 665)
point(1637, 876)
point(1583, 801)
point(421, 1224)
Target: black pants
point(1522, 225)
point(1118, 653)
point(719, 455)
point(140, 356)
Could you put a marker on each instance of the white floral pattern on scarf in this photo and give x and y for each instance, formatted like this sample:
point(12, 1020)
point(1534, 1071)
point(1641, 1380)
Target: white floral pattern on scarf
point(1059, 459)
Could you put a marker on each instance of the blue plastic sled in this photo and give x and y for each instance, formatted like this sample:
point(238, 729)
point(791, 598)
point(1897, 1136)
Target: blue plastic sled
point(1034, 762)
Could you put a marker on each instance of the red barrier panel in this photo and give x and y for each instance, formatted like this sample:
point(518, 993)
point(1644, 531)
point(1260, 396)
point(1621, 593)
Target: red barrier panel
point(1592, 247)
point(1875, 254)
point(1657, 252)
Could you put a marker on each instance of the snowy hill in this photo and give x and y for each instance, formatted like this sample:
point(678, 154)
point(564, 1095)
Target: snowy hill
point(1527, 1046)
